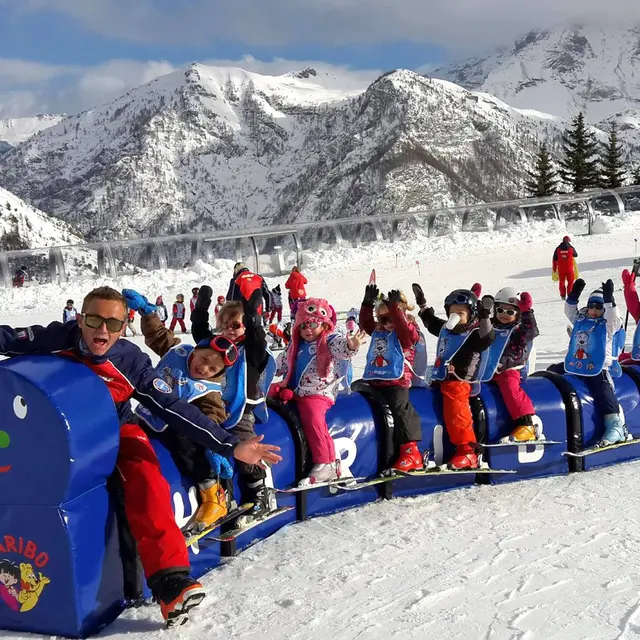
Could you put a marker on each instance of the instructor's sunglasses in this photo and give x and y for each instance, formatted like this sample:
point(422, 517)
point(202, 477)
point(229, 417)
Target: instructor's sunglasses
point(508, 312)
point(227, 348)
point(95, 322)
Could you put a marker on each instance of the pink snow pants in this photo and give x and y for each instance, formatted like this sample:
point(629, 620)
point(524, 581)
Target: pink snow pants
point(517, 401)
point(313, 411)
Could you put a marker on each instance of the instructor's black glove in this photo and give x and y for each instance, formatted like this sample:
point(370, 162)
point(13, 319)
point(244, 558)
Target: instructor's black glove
point(607, 291)
point(421, 299)
point(576, 291)
point(371, 293)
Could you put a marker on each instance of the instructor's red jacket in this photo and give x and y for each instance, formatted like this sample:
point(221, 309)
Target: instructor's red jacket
point(563, 258)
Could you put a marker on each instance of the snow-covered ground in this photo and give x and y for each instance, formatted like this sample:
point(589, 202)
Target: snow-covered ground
point(545, 559)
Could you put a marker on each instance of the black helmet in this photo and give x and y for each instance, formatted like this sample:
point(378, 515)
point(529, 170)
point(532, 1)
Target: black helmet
point(195, 291)
point(462, 296)
point(69, 301)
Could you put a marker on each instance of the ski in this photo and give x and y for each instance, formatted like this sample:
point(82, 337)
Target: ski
point(527, 443)
point(232, 535)
point(369, 483)
point(592, 450)
point(190, 538)
point(444, 470)
point(331, 483)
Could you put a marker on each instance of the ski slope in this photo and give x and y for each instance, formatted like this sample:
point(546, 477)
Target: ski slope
point(548, 559)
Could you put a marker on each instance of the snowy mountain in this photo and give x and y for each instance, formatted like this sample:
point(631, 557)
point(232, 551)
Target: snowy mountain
point(563, 71)
point(13, 131)
point(212, 148)
point(24, 227)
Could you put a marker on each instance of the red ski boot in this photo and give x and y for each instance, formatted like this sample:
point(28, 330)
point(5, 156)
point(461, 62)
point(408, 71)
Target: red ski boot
point(410, 458)
point(465, 457)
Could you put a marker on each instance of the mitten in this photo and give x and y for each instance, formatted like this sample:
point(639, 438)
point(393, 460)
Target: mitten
point(477, 290)
point(526, 302)
point(485, 307)
point(200, 313)
point(628, 279)
point(607, 290)
point(421, 299)
point(554, 276)
point(285, 395)
point(220, 466)
point(371, 293)
point(138, 302)
point(394, 297)
point(576, 291)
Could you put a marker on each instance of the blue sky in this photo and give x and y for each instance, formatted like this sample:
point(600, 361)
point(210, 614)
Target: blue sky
point(69, 55)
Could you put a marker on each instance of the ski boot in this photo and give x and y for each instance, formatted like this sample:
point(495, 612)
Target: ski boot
point(465, 457)
point(264, 502)
point(615, 430)
point(526, 429)
point(410, 458)
point(213, 506)
point(322, 473)
point(177, 594)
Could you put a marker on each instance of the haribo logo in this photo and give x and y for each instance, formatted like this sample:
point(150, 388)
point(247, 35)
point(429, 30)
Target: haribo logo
point(20, 585)
point(5, 441)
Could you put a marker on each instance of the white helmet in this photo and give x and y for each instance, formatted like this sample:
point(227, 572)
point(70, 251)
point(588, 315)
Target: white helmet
point(508, 295)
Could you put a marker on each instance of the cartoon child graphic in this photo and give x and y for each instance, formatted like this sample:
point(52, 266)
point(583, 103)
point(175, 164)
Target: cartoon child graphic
point(9, 578)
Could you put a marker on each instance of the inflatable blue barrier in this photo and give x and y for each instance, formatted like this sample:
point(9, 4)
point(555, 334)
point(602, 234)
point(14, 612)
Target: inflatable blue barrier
point(60, 567)
point(530, 461)
point(60, 571)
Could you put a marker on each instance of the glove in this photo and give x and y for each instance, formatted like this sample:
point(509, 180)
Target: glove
point(421, 300)
point(628, 279)
point(607, 290)
point(220, 466)
point(486, 307)
point(251, 305)
point(477, 289)
point(285, 395)
point(554, 276)
point(526, 302)
point(576, 291)
point(286, 332)
point(394, 296)
point(138, 302)
point(200, 313)
point(371, 293)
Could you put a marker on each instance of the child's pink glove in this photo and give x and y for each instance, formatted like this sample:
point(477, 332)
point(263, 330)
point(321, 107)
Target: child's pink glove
point(477, 290)
point(284, 395)
point(526, 301)
point(628, 279)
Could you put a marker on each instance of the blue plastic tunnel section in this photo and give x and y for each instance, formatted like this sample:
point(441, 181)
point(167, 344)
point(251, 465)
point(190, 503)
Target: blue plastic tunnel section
point(59, 543)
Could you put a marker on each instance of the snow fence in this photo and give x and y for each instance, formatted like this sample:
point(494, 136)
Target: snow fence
point(61, 570)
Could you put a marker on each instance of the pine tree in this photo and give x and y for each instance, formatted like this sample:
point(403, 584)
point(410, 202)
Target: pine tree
point(635, 176)
point(579, 167)
point(612, 173)
point(543, 180)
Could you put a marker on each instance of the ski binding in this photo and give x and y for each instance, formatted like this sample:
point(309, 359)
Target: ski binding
point(191, 537)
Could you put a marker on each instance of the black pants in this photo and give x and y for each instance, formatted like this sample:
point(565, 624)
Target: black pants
point(191, 457)
point(406, 422)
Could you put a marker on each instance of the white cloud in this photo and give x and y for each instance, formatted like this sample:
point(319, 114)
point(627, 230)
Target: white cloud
point(461, 26)
point(29, 88)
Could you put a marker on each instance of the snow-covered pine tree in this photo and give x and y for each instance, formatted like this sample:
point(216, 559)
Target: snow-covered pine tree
point(579, 166)
point(612, 173)
point(543, 180)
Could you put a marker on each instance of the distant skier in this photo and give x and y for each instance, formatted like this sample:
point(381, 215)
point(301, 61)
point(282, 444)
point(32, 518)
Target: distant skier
point(194, 298)
point(161, 310)
point(20, 276)
point(69, 313)
point(276, 304)
point(295, 284)
point(244, 283)
point(564, 269)
point(218, 306)
point(131, 317)
point(178, 314)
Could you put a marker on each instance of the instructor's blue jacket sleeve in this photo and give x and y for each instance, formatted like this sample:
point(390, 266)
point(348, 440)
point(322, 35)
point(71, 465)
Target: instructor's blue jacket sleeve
point(36, 339)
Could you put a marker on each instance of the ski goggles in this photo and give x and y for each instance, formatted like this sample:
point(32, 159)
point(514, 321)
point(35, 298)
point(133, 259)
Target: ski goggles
point(234, 326)
point(95, 322)
point(310, 325)
point(459, 298)
point(385, 319)
point(507, 312)
point(224, 346)
point(595, 305)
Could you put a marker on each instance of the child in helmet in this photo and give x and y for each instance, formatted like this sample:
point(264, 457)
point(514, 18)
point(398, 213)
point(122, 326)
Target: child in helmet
point(194, 298)
point(352, 321)
point(69, 312)
point(462, 339)
point(178, 314)
point(515, 327)
point(389, 369)
point(276, 304)
point(590, 352)
point(219, 304)
point(161, 310)
point(311, 375)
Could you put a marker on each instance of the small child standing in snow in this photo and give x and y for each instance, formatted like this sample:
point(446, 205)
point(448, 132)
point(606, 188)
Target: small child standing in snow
point(515, 327)
point(462, 339)
point(352, 321)
point(310, 370)
point(590, 353)
point(276, 304)
point(389, 368)
point(218, 306)
point(161, 310)
point(178, 314)
point(69, 312)
point(194, 298)
point(131, 318)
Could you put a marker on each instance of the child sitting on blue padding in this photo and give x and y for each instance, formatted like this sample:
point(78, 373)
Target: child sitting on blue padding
point(590, 353)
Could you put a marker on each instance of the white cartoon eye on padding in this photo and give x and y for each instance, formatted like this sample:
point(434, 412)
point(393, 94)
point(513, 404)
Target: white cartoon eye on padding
point(20, 407)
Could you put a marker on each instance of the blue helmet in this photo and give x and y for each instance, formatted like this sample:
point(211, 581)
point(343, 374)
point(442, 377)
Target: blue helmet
point(462, 296)
point(596, 297)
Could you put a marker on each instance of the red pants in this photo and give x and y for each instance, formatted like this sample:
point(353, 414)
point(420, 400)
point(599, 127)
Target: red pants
point(518, 403)
point(147, 503)
point(180, 321)
point(457, 412)
point(565, 281)
point(313, 412)
point(277, 311)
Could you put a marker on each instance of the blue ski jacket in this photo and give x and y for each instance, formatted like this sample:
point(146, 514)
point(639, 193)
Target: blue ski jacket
point(128, 373)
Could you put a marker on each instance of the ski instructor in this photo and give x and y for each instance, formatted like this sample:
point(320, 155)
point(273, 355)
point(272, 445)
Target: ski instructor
point(564, 266)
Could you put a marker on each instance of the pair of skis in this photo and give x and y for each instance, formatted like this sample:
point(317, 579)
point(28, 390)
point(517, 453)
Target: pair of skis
point(594, 450)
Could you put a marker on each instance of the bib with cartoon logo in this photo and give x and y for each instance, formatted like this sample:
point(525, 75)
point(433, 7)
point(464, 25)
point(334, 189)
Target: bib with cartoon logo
point(587, 347)
point(385, 358)
point(174, 369)
point(496, 350)
point(449, 343)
